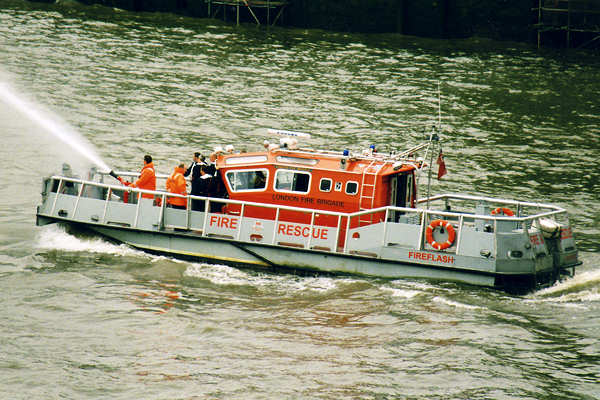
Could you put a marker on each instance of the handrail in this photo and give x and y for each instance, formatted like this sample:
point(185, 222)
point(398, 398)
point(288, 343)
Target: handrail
point(424, 215)
point(488, 199)
point(554, 209)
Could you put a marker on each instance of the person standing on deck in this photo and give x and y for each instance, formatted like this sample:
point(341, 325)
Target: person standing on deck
point(176, 184)
point(217, 187)
point(194, 171)
point(147, 179)
point(204, 184)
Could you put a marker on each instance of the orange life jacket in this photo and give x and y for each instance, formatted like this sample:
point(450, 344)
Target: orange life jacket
point(176, 184)
point(147, 180)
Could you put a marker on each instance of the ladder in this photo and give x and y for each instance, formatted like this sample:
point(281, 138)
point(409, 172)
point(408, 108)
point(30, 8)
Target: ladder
point(367, 191)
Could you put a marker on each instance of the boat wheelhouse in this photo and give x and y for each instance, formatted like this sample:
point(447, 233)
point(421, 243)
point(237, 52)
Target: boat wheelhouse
point(336, 212)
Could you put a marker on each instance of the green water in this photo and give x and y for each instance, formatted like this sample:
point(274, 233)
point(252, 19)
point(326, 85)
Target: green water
point(86, 319)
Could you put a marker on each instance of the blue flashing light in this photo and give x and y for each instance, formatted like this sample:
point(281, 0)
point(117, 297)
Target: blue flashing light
point(346, 153)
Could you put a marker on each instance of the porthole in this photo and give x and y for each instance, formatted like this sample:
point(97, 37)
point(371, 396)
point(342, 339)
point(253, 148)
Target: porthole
point(325, 185)
point(351, 187)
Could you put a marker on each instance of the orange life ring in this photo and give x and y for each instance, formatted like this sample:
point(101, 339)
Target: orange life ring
point(503, 211)
point(442, 224)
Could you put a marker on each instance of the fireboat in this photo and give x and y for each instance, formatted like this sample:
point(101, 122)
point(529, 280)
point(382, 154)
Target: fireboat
point(300, 209)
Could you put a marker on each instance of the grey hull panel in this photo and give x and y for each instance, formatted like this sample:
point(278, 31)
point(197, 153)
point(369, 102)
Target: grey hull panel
point(264, 256)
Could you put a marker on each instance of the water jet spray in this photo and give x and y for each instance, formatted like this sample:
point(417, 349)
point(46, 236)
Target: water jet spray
point(60, 130)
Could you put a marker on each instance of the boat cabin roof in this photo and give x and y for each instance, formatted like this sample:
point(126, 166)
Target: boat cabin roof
point(317, 160)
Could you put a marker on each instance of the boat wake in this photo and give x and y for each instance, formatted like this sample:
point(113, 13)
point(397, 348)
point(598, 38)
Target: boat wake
point(455, 304)
point(582, 288)
point(231, 276)
point(55, 237)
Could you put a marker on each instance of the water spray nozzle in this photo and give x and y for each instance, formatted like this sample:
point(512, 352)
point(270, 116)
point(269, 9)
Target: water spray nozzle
point(112, 173)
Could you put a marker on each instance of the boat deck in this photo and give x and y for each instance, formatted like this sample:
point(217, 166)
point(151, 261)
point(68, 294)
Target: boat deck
point(449, 237)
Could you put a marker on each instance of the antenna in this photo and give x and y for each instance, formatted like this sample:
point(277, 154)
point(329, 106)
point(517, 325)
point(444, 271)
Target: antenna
point(439, 108)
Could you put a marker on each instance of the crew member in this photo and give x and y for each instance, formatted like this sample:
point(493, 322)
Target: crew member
point(203, 186)
point(176, 184)
point(147, 179)
point(194, 172)
point(193, 169)
point(217, 187)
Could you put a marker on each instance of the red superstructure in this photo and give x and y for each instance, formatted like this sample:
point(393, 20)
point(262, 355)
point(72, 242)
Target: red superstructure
point(318, 180)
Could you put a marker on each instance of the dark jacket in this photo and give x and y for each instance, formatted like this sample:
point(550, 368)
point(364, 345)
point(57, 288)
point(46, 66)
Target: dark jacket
point(194, 170)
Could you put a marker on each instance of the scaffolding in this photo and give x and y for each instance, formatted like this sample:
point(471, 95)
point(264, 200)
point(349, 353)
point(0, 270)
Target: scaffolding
point(579, 20)
point(269, 6)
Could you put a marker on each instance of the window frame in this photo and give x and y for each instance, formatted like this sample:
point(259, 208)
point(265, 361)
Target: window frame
point(235, 171)
point(295, 171)
point(346, 188)
point(330, 185)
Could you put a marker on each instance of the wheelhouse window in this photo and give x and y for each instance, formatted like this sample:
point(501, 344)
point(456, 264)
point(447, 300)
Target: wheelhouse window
point(351, 187)
point(247, 180)
point(325, 185)
point(292, 181)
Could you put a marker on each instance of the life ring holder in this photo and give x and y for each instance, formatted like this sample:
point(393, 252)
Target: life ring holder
point(503, 211)
point(442, 224)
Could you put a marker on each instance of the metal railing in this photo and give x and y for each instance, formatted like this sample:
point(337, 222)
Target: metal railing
point(423, 215)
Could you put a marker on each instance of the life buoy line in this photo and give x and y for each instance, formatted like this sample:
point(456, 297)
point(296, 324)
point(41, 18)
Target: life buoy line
point(442, 224)
point(503, 211)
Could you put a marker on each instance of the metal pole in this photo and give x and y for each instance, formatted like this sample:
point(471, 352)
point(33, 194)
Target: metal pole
point(275, 226)
point(78, 198)
point(421, 230)
point(347, 233)
point(188, 214)
point(539, 33)
point(569, 25)
point(430, 168)
point(137, 210)
point(59, 188)
point(239, 231)
point(439, 108)
point(108, 195)
point(161, 213)
point(312, 228)
point(251, 12)
point(206, 207)
point(385, 224)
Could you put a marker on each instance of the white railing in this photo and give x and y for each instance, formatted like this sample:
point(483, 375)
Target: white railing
point(423, 215)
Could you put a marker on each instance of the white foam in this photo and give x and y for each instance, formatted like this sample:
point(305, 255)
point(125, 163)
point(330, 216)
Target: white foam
point(225, 275)
point(55, 237)
point(406, 293)
point(579, 281)
point(456, 304)
point(218, 274)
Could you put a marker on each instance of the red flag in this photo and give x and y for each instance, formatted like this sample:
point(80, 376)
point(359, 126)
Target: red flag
point(442, 165)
